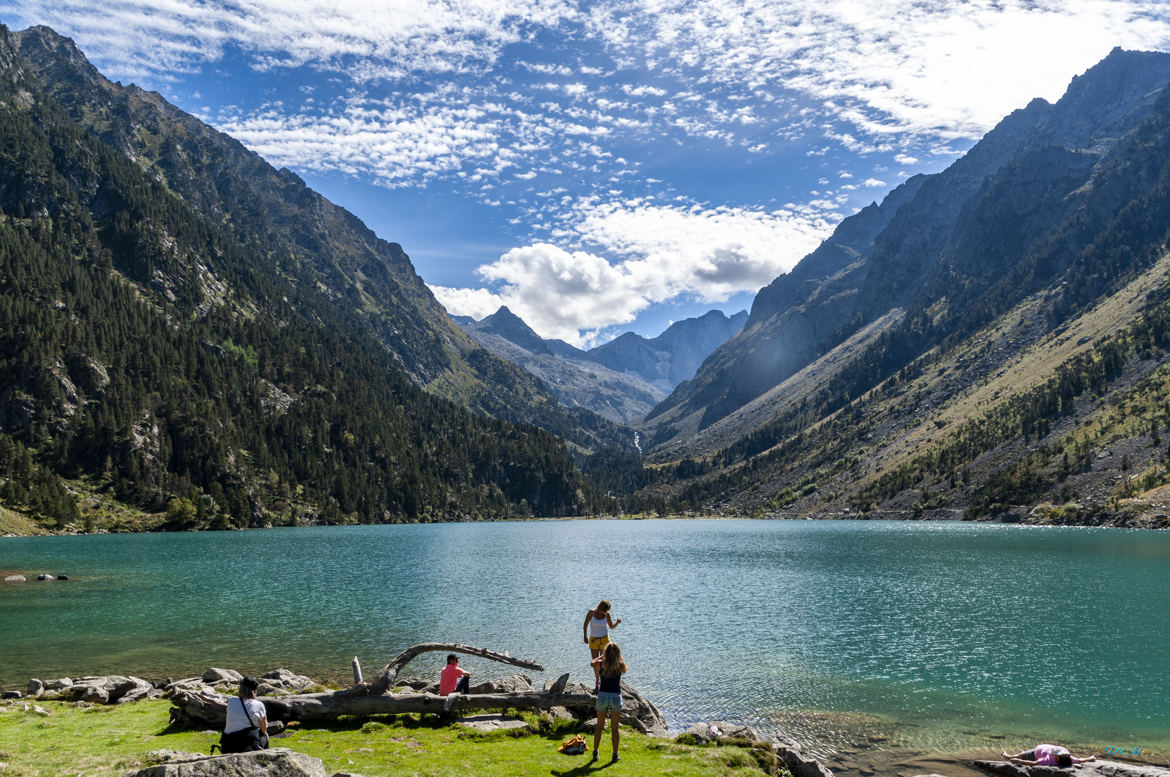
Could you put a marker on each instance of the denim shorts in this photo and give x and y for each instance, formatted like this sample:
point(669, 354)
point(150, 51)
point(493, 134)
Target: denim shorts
point(609, 702)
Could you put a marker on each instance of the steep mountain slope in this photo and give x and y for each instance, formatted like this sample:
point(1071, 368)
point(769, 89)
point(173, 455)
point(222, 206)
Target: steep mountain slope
point(998, 339)
point(622, 379)
point(183, 327)
point(953, 250)
point(272, 213)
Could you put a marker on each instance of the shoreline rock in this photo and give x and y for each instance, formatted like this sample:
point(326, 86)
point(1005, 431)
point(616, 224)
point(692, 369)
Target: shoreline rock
point(1097, 768)
point(274, 762)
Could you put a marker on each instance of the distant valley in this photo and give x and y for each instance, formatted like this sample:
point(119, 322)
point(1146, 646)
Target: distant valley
point(621, 380)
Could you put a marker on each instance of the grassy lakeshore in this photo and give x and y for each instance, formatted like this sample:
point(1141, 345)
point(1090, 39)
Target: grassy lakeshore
point(101, 741)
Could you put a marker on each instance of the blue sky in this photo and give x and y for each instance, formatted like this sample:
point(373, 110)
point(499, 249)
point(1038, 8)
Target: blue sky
point(610, 165)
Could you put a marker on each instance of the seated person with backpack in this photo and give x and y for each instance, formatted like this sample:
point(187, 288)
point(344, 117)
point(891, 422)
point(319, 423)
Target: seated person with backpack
point(246, 727)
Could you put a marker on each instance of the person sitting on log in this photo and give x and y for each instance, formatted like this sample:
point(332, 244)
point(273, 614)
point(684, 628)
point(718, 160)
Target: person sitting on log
point(453, 680)
point(246, 727)
point(1046, 755)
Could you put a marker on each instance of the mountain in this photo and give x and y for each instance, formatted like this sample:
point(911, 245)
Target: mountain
point(960, 348)
point(269, 211)
point(184, 327)
point(673, 356)
point(620, 380)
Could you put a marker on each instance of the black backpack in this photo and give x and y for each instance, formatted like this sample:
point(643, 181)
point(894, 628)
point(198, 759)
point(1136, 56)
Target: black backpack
point(246, 740)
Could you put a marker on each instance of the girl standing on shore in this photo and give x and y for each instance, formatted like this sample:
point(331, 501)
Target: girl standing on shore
point(609, 666)
point(598, 622)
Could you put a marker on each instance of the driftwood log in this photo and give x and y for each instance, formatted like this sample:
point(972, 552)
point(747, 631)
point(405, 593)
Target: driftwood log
point(385, 679)
point(207, 708)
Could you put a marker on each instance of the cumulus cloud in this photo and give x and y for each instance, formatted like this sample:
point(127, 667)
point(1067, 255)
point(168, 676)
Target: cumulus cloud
point(559, 293)
point(663, 252)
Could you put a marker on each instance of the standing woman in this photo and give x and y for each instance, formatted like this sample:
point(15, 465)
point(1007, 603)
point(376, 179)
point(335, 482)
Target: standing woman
point(598, 622)
point(610, 667)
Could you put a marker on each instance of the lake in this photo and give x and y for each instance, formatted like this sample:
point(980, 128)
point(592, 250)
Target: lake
point(930, 637)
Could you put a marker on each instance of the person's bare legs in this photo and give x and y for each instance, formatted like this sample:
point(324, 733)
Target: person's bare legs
point(615, 719)
point(597, 733)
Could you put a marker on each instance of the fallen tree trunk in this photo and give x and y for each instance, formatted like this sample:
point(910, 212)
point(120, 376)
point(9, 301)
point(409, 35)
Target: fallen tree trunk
point(202, 709)
point(385, 679)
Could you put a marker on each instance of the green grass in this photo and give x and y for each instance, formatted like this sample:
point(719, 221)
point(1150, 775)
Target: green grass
point(17, 523)
point(107, 741)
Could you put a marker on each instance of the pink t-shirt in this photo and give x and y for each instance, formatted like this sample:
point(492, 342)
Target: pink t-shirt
point(1046, 754)
point(449, 679)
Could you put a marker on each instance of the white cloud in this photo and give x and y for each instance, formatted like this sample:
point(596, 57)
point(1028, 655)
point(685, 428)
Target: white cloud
point(476, 303)
point(662, 252)
point(364, 38)
point(395, 145)
point(936, 67)
point(560, 294)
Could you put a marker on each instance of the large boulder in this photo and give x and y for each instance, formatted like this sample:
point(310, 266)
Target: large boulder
point(216, 676)
point(798, 763)
point(639, 712)
point(516, 683)
point(717, 731)
point(279, 682)
point(277, 762)
point(106, 689)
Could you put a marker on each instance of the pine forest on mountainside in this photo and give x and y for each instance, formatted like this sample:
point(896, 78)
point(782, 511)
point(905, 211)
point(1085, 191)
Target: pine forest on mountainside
point(148, 354)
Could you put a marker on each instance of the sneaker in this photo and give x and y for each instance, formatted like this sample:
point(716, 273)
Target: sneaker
point(615, 759)
point(449, 701)
point(594, 757)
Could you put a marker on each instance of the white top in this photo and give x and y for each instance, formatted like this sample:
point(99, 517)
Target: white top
point(237, 720)
point(598, 627)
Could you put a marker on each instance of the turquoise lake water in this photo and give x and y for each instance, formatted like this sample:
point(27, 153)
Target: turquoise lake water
point(928, 636)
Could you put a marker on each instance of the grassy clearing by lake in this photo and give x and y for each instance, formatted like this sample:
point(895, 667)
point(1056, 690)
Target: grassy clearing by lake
point(104, 741)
